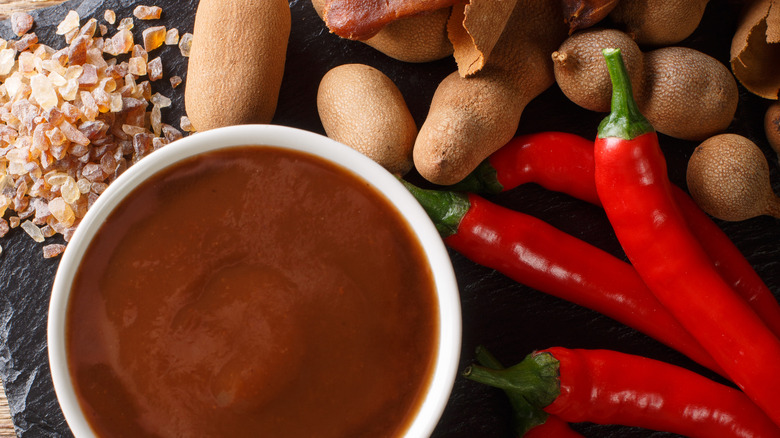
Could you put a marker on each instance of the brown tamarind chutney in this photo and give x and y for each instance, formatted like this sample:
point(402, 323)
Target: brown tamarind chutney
point(252, 292)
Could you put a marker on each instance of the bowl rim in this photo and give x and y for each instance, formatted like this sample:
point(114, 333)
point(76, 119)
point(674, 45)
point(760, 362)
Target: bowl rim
point(450, 324)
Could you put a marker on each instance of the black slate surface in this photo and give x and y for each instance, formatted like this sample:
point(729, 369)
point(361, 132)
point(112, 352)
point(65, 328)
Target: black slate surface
point(509, 318)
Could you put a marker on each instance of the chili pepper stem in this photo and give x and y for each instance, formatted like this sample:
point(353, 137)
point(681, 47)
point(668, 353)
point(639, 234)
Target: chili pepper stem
point(625, 120)
point(519, 383)
point(482, 180)
point(535, 378)
point(522, 411)
point(486, 358)
point(445, 208)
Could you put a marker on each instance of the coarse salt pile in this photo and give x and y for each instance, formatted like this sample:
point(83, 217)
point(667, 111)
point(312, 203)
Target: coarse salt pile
point(73, 119)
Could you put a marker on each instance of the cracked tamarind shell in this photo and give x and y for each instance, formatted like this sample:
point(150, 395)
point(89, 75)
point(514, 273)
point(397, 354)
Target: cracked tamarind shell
point(755, 49)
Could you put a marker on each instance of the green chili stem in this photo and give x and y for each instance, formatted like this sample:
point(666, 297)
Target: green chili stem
point(483, 179)
point(446, 209)
point(530, 385)
point(625, 121)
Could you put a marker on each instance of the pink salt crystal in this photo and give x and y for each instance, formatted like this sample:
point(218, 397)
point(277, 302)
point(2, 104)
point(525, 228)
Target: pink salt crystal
point(156, 120)
point(95, 57)
point(70, 190)
point(185, 124)
point(70, 111)
point(7, 61)
point(122, 42)
point(61, 211)
point(144, 90)
point(99, 187)
point(61, 56)
point(116, 102)
point(93, 172)
point(171, 134)
point(43, 92)
point(89, 107)
point(69, 90)
point(78, 151)
point(53, 250)
point(33, 231)
point(110, 16)
point(135, 115)
point(126, 24)
point(117, 71)
point(73, 134)
point(4, 227)
point(89, 76)
point(77, 52)
point(40, 141)
point(172, 37)
point(24, 210)
point(21, 22)
point(158, 142)
point(94, 129)
point(142, 145)
point(108, 164)
point(89, 28)
point(155, 69)
point(138, 50)
point(185, 44)
point(47, 159)
point(48, 231)
point(133, 129)
point(26, 62)
point(102, 99)
point(25, 42)
point(153, 37)
point(56, 136)
point(84, 185)
point(137, 66)
point(42, 211)
point(143, 12)
point(70, 22)
point(58, 151)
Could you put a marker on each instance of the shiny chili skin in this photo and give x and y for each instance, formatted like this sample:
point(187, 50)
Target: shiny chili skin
point(564, 163)
point(609, 387)
point(536, 254)
point(554, 427)
point(632, 183)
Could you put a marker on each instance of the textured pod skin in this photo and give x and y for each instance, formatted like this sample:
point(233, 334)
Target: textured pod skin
point(728, 177)
point(470, 118)
point(418, 38)
point(581, 72)
point(659, 22)
point(690, 95)
point(236, 62)
point(362, 108)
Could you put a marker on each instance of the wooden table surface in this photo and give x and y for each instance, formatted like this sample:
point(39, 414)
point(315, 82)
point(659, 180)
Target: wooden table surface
point(8, 7)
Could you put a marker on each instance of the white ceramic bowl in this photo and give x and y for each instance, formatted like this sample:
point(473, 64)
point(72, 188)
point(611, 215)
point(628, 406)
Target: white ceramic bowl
point(448, 353)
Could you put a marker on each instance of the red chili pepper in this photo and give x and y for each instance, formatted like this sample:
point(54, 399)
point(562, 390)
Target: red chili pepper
point(554, 427)
point(550, 427)
point(608, 387)
point(536, 254)
point(635, 191)
point(564, 163)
